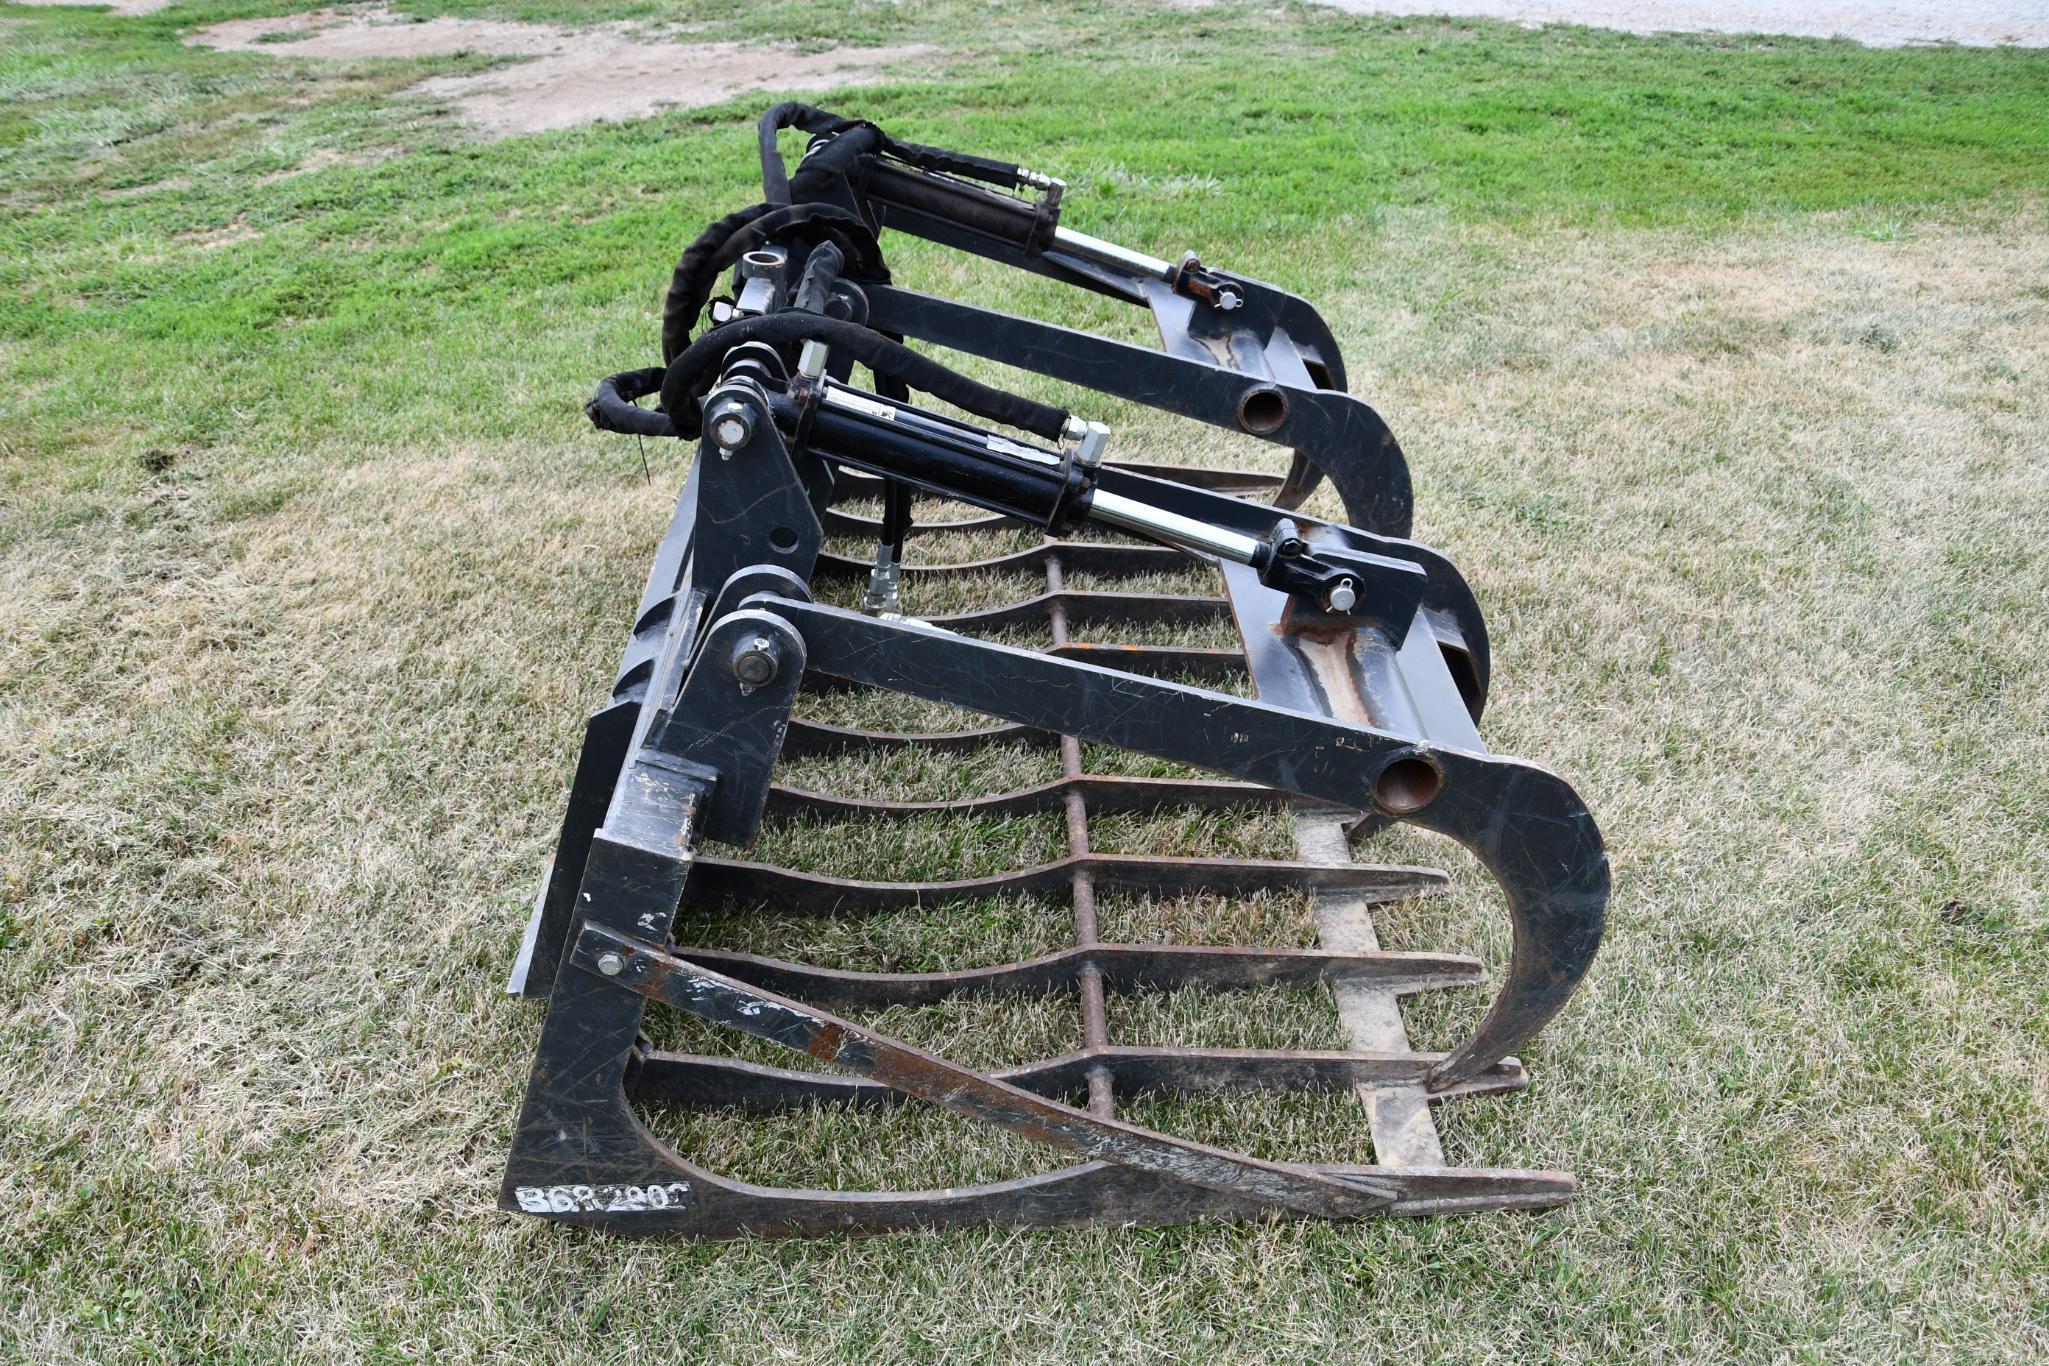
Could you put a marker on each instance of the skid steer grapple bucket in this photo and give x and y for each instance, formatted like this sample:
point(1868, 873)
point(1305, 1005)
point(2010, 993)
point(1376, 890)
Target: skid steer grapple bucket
point(1351, 701)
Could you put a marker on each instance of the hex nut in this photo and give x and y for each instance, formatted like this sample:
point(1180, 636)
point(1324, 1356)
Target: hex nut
point(732, 426)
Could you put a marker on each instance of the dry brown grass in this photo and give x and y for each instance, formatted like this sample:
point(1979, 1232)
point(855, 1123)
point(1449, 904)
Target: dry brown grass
point(1758, 516)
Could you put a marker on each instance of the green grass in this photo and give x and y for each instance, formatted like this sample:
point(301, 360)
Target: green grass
point(1719, 365)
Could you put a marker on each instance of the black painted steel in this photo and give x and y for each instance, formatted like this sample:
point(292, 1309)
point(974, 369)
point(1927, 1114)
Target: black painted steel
point(1523, 822)
point(739, 880)
point(1128, 967)
point(700, 1082)
point(1102, 791)
point(1080, 557)
point(1248, 380)
point(805, 1029)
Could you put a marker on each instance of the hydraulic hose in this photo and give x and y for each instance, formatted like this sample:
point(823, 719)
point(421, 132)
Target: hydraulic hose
point(699, 362)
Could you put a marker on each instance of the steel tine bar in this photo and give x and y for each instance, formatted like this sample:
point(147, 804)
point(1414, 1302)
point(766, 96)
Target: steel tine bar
point(1238, 482)
point(1206, 663)
point(1158, 661)
point(697, 1081)
point(1082, 557)
point(1081, 892)
point(1128, 967)
point(775, 1019)
point(814, 893)
point(816, 737)
point(1094, 609)
point(1103, 792)
point(838, 523)
point(853, 484)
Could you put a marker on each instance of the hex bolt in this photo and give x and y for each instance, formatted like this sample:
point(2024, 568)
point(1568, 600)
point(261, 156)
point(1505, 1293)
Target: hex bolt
point(732, 426)
point(1089, 451)
point(812, 359)
point(755, 662)
point(1344, 597)
point(611, 964)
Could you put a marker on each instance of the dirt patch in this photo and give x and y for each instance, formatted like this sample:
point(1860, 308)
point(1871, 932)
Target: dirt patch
point(1876, 23)
point(631, 80)
point(380, 33)
point(118, 6)
point(571, 76)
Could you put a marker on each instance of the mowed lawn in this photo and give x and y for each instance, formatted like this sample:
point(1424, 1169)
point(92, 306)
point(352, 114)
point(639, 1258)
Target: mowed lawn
point(1720, 364)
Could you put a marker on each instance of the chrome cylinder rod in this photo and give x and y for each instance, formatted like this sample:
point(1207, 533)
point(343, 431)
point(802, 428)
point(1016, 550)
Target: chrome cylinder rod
point(1110, 254)
point(1171, 527)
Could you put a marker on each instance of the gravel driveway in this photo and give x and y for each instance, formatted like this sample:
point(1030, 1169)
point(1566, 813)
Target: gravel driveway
point(1879, 23)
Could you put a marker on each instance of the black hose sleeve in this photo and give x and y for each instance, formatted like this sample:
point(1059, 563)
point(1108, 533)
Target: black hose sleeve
point(842, 168)
point(696, 271)
point(612, 408)
point(872, 349)
point(991, 172)
point(837, 159)
point(828, 172)
point(821, 268)
point(699, 269)
point(775, 177)
point(862, 254)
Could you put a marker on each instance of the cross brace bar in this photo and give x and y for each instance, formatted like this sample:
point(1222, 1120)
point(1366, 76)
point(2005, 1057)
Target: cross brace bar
point(776, 1019)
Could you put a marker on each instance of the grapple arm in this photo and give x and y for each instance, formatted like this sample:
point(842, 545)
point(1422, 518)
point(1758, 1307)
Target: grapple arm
point(1284, 378)
point(1523, 822)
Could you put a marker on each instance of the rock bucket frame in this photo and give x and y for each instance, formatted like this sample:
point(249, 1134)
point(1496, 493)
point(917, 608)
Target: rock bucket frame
point(1367, 652)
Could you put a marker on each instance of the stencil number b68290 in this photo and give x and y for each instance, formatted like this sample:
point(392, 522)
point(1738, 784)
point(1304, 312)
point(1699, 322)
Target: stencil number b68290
point(601, 1199)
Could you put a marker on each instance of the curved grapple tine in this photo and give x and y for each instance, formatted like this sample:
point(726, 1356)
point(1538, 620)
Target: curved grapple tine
point(1531, 831)
point(1303, 477)
point(1523, 822)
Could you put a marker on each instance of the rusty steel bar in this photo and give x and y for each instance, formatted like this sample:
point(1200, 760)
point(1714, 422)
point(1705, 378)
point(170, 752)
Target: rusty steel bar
point(1092, 609)
point(1127, 967)
point(727, 1001)
point(1081, 557)
point(813, 893)
point(1102, 791)
point(708, 1082)
point(806, 737)
point(1095, 1018)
